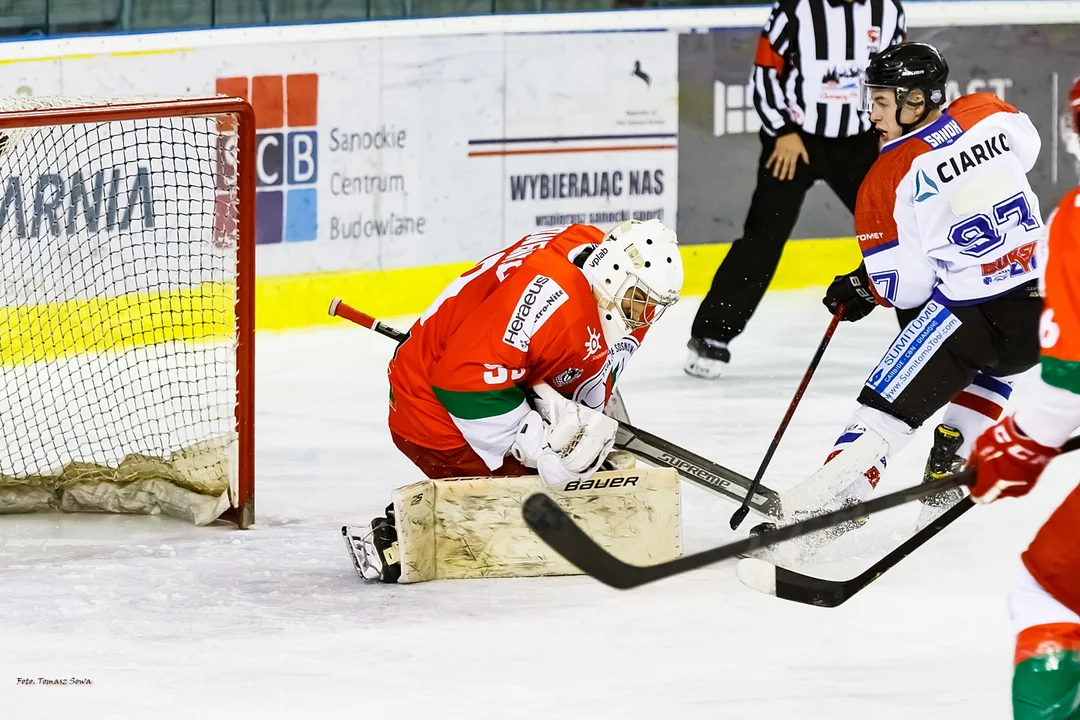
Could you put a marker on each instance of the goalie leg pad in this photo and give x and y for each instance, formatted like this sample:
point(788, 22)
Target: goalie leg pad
point(473, 528)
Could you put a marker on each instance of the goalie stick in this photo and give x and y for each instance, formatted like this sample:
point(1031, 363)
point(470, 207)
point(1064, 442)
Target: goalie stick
point(644, 445)
point(343, 310)
point(554, 527)
point(698, 470)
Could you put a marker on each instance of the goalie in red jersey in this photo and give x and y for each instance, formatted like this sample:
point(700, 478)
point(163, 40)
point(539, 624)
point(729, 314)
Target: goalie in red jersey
point(510, 369)
point(1010, 456)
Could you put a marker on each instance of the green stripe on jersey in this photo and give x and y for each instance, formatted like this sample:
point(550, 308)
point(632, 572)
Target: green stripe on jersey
point(1064, 374)
point(480, 404)
point(1047, 687)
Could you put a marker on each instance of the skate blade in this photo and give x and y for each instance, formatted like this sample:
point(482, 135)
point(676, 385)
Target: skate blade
point(360, 552)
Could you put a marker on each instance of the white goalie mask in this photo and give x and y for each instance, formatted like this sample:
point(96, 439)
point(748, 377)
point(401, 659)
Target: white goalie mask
point(636, 274)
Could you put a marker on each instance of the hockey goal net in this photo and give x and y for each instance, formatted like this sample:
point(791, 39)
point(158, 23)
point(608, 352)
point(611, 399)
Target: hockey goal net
point(126, 324)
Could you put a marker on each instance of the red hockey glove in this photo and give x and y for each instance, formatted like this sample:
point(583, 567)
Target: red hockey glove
point(1007, 463)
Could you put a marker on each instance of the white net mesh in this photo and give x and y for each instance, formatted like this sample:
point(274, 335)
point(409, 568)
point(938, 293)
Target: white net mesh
point(117, 321)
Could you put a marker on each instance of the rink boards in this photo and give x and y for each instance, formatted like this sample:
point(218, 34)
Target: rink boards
point(282, 301)
point(394, 154)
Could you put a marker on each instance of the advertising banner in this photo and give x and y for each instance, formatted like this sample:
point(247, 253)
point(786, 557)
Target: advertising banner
point(404, 151)
point(589, 133)
point(376, 154)
point(718, 126)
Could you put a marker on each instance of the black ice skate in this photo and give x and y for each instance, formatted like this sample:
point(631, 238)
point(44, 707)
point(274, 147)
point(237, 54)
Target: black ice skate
point(373, 548)
point(944, 461)
point(708, 358)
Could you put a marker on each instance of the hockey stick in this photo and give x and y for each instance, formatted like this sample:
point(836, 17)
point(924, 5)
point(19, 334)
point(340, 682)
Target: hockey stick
point(698, 470)
point(554, 526)
point(789, 585)
point(343, 310)
point(739, 515)
point(650, 448)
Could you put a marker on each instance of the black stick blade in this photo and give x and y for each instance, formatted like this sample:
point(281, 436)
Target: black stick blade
point(739, 515)
point(808, 590)
point(542, 515)
point(785, 584)
point(551, 523)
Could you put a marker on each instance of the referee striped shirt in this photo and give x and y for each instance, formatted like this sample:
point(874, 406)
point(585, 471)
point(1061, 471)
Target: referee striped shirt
point(810, 60)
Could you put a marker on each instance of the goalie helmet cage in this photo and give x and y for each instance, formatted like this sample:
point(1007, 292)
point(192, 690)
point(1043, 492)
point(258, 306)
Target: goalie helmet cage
point(118, 263)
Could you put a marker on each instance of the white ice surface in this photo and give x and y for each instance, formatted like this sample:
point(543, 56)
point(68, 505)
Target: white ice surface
point(171, 621)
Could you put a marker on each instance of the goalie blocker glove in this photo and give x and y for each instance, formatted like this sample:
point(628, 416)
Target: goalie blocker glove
point(851, 294)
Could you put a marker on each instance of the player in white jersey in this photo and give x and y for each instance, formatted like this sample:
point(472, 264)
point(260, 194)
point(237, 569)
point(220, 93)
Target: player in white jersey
point(948, 226)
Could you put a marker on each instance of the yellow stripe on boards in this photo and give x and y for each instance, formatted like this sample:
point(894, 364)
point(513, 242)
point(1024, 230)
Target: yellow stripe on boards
point(49, 59)
point(137, 53)
point(805, 263)
point(297, 301)
point(46, 332)
point(90, 56)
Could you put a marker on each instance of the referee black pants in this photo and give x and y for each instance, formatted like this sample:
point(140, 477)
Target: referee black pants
point(749, 266)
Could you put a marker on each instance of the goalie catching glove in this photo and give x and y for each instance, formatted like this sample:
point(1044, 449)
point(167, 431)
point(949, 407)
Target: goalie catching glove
point(566, 442)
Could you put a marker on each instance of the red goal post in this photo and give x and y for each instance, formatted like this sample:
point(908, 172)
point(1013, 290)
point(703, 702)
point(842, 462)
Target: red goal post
point(127, 291)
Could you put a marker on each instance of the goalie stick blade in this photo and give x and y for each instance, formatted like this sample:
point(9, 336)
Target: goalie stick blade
point(808, 590)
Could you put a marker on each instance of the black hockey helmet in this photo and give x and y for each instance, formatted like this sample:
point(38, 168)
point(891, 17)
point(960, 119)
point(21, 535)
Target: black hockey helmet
point(906, 67)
